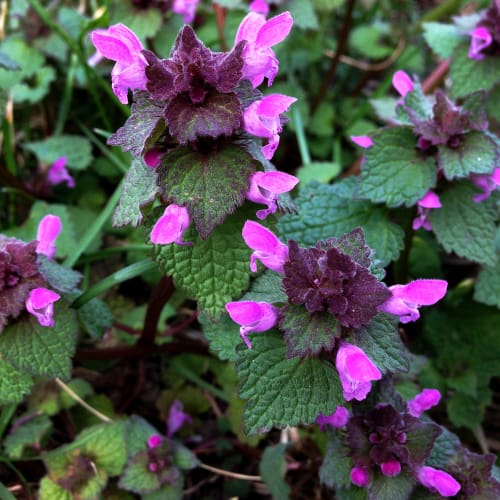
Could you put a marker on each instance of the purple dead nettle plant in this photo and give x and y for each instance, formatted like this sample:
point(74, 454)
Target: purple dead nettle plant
point(58, 173)
point(332, 284)
point(22, 284)
point(485, 37)
point(200, 104)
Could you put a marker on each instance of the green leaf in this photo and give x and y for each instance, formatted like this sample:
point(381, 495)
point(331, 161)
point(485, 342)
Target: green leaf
point(14, 384)
point(40, 350)
point(49, 490)
point(139, 189)
point(183, 457)
point(394, 172)
point(442, 38)
point(223, 335)
point(201, 183)
point(282, 391)
point(477, 154)
point(142, 128)
point(26, 435)
point(78, 385)
point(303, 14)
point(326, 211)
point(58, 277)
point(214, 271)
point(381, 342)
point(445, 446)
point(464, 410)
point(336, 467)
point(7, 63)
point(308, 334)
point(272, 469)
point(318, 171)
point(267, 288)
point(137, 433)
point(465, 227)
point(487, 288)
point(368, 41)
point(76, 148)
point(145, 23)
point(469, 75)
point(391, 488)
point(137, 477)
point(35, 91)
point(167, 492)
point(95, 316)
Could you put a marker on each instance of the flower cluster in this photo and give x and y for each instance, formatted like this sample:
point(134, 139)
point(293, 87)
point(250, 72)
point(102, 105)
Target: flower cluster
point(331, 284)
point(391, 439)
point(204, 104)
point(22, 286)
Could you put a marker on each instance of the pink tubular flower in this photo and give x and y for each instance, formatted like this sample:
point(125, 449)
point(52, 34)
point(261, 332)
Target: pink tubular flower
point(360, 476)
point(153, 157)
point(120, 44)
point(363, 141)
point(356, 371)
point(171, 226)
point(438, 480)
point(40, 303)
point(58, 173)
point(406, 299)
point(260, 7)
point(262, 119)
point(423, 402)
point(402, 83)
point(268, 248)
point(185, 8)
point(265, 188)
point(425, 205)
point(391, 469)
point(480, 39)
point(176, 417)
point(48, 231)
point(259, 59)
point(487, 183)
point(337, 419)
point(253, 317)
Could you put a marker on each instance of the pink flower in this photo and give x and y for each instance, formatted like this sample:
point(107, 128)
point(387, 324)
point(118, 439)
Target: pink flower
point(171, 226)
point(428, 202)
point(356, 371)
point(480, 39)
point(40, 303)
point(58, 173)
point(487, 182)
point(363, 141)
point(262, 119)
point(337, 419)
point(438, 480)
point(176, 417)
point(360, 476)
point(402, 83)
point(154, 441)
point(268, 248)
point(259, 59)
point(48, 231)
point(391, 469)
point(423, 402)
point(406, 299)
point(259, 6)
point(265, 188)
point(253, 317)
point(120, 44)
point(153, 157)
point(185, 8)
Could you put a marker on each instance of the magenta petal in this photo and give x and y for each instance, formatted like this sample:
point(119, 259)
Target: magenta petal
point(423, 292)
point(267, 247)
point(110, 46)
point(430, 200)
point(356, 371)
point(259, 6)
point(391, 469)
point(154, 441)
point(58, 173)
point(275, 30)
point(186, 9)
point(253, 317)
point(338, 419)
point(249, 27)
point(438, 480)
point(360, 476)
point(363, 141)
point(40, 303)
point(481, 39)
point(402, 83)
point(48, 231)
point(273, 105)
point(176, 418)
point(171, 226)
point(423, 402)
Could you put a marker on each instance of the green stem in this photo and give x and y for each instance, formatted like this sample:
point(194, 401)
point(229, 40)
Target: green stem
point(67, 95)
point(8, 146)
point(443, 9)
point(119, 276)
point(301, 136)
point(95, 228)
point(102, 254)
point(5, 416)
